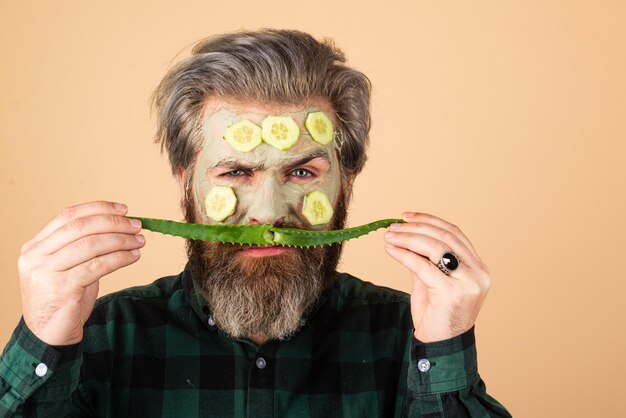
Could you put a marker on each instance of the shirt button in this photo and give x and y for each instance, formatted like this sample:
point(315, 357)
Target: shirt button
point(423, 365)
point(261, 363)
point(41, 370)
point(211, 321)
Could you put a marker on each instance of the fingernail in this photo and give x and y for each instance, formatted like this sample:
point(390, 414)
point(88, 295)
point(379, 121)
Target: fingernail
point(135, 252)
point(140, 238)
point(135, 223)
point(394, 227)
point(120, 207)
point(389, 235)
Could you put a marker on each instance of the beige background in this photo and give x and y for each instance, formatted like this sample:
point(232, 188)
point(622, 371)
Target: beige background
point(506, 118)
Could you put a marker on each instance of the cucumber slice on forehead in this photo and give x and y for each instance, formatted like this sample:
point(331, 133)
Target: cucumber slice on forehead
point(317, 208)
point(320, 127)
point(280, 132)
point(220, 203)
point(243, 136)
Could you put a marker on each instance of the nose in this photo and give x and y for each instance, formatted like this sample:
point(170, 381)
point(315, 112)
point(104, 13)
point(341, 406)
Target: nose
point(267, 206)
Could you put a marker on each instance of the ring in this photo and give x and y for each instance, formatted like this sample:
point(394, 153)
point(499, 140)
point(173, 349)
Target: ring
point(448, 263)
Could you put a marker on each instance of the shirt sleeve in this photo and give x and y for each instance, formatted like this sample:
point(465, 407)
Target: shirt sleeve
point(443, 381)
point(36, 378)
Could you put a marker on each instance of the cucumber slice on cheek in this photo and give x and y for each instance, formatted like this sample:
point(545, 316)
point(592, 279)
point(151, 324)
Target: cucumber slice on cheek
point(317, 208)
point(220, 203)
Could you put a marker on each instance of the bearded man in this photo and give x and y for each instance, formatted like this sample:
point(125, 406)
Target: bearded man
point(256, 331)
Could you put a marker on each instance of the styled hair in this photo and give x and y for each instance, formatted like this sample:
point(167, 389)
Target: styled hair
point(267, 66)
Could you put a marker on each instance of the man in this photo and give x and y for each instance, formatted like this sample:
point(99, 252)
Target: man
point(254, 124)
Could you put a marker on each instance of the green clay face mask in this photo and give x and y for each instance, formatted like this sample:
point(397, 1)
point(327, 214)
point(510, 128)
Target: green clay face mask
point(270, 184)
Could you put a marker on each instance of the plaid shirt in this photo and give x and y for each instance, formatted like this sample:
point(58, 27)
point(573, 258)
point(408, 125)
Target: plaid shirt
point(154, 351)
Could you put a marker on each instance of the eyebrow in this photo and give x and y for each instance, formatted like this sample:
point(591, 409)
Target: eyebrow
point(316, 154)
point(231, 163)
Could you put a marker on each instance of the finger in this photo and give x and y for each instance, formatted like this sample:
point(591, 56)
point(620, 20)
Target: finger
point(429, 247)
point(92, 270)
point(70, 213)
point(426, 271)
point(427, 218)
point(82, 227)
point(92, 246)
point(447, 238)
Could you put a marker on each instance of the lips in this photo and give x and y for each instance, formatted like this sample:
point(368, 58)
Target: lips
point(255, 247)
point(263, 250)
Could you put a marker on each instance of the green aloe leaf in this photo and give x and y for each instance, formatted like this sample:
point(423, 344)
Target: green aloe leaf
point(260, 234)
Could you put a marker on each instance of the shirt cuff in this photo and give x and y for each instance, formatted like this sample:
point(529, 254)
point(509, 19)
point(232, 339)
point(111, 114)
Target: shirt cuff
point(443, 366)
point(27, 363)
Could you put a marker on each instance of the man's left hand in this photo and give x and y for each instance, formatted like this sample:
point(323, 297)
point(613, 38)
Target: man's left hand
point(442, 306)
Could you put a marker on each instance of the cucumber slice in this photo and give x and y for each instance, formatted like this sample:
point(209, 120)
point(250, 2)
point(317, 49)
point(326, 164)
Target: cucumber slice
point(244, 136)
point(317, 208)
point(220, 203)
point(320, 127)
point(280, 132)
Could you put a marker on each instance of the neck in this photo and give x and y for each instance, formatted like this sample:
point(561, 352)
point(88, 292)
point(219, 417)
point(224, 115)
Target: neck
point(258, 339)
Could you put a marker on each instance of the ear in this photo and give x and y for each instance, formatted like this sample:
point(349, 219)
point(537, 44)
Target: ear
point(180, 176)
point(349, 182)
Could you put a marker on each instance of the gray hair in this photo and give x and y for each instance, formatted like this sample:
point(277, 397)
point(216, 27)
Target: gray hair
point(267, 66)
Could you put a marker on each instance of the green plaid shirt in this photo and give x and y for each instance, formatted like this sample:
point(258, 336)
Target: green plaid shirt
point(154, 351)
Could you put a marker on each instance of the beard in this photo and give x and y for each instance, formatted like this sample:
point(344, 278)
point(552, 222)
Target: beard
point(269, 296)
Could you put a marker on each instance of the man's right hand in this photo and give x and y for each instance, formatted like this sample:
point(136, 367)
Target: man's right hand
point(61, 266)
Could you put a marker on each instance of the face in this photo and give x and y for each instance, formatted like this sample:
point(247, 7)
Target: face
point(270, 184)
point(263, 290)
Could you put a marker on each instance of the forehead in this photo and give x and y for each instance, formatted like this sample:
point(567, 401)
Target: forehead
point(218, 115)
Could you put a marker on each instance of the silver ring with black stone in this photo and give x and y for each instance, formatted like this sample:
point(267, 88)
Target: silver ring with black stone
point(448, 263)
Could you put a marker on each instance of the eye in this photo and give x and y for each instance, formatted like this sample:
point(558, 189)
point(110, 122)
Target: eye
point(235, 173)
point(301, 173)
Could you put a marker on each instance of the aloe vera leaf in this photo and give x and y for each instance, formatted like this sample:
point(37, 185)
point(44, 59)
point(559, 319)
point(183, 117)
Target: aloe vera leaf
point(305, 238)
point(260, 234)
point(231, 234)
